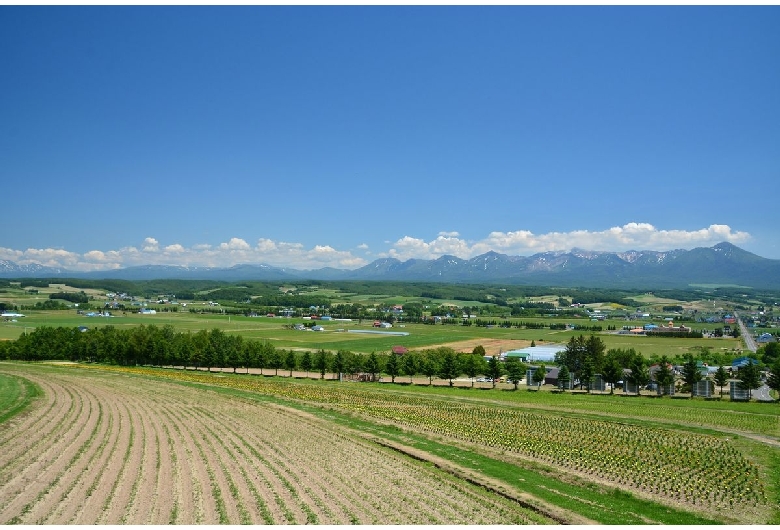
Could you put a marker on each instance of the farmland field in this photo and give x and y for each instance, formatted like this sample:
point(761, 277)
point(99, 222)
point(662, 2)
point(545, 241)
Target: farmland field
point(113, 445)
point(276, 331)
point(107, 448)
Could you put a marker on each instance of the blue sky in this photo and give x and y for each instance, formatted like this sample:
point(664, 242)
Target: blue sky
point(331, 136)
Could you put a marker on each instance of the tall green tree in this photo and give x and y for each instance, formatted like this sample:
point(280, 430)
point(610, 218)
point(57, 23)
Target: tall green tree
point(749, 378)
point(217, 340)
point(373, 366)
point(721, 378)
point(354, 363)
point(429, 365)
point(472, 365)
point(639, 375)
point(539, 376)
point(233, 345)
point(612, 371)
point(769, 353)
point(322, 362)
point(595, 352)
point(275, 360)
point(449, 368)
point(199, 345)
point(306, 362)
point(392, 366)
point(773, 381)
point(409, 365)
point(563, 377)
point(573, 356)
point(691, 373)
point(265, 353)
point(339, 363)
point(664, 376)
point(290, 361)
point(247, 354)
point(495, 369)
point(622, 357)
point(515, 370)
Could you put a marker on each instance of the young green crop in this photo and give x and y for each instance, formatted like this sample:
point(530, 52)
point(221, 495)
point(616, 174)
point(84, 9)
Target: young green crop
point(680, 466)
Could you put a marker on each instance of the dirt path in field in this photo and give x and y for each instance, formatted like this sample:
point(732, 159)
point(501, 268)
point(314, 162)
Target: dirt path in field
point(104, 447)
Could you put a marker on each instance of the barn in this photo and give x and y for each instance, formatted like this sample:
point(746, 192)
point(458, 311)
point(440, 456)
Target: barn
point(537, 353)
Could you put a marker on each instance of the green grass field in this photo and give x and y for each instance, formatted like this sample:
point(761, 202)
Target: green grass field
point(420, 336)
point(276, 330)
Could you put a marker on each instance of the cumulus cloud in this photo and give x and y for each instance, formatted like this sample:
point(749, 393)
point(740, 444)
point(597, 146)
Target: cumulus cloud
point(410, 247)
point(235, 243)
point(174, 249)
point(630, 236)
point(150, 245)
point(11, 254)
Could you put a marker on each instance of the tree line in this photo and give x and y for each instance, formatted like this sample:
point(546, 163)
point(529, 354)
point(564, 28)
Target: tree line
point(583, 359)
point(151, 345)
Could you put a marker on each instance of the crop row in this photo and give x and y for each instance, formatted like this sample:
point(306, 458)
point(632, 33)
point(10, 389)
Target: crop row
point(690, 467)
point(705, 414)
point(140, 451)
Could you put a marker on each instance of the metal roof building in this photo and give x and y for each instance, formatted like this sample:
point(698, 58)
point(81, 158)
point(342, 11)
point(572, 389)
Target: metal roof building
point(537, 353)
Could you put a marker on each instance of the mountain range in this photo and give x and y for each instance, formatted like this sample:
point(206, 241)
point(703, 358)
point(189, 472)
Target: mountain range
point(722, 264)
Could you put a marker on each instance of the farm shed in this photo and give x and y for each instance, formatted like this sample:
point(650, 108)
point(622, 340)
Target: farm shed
point(517, 354)
point(551, 377)
point(538, 353)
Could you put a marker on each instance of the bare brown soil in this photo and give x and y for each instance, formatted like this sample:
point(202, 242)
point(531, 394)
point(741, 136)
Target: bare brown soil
point(492, 346)
point(110, 448)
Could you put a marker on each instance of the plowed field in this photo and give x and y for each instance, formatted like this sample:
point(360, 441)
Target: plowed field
point(116, 449)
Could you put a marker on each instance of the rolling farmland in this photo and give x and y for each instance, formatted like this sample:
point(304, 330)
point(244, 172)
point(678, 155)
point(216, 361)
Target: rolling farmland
point(111, 445)
point(110, 449)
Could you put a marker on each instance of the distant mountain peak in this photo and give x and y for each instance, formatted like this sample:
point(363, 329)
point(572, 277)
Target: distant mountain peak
point(723, 263)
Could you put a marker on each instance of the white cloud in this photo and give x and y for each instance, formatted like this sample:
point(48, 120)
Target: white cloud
point(150, 245)
point(174, 249)
point(630, 236)
point(11, 254)
point(410, 247)
point(235, 243)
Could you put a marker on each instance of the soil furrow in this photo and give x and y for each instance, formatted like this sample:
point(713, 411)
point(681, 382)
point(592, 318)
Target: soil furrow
point(42, 473)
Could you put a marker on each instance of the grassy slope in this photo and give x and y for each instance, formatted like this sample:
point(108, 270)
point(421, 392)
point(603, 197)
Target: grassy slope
point(15, 395)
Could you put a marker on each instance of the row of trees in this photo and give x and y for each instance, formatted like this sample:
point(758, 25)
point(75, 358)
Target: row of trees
point(164, 346)
point(584, 358)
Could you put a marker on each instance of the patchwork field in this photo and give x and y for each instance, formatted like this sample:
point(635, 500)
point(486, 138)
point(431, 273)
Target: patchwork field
point(110, 445)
